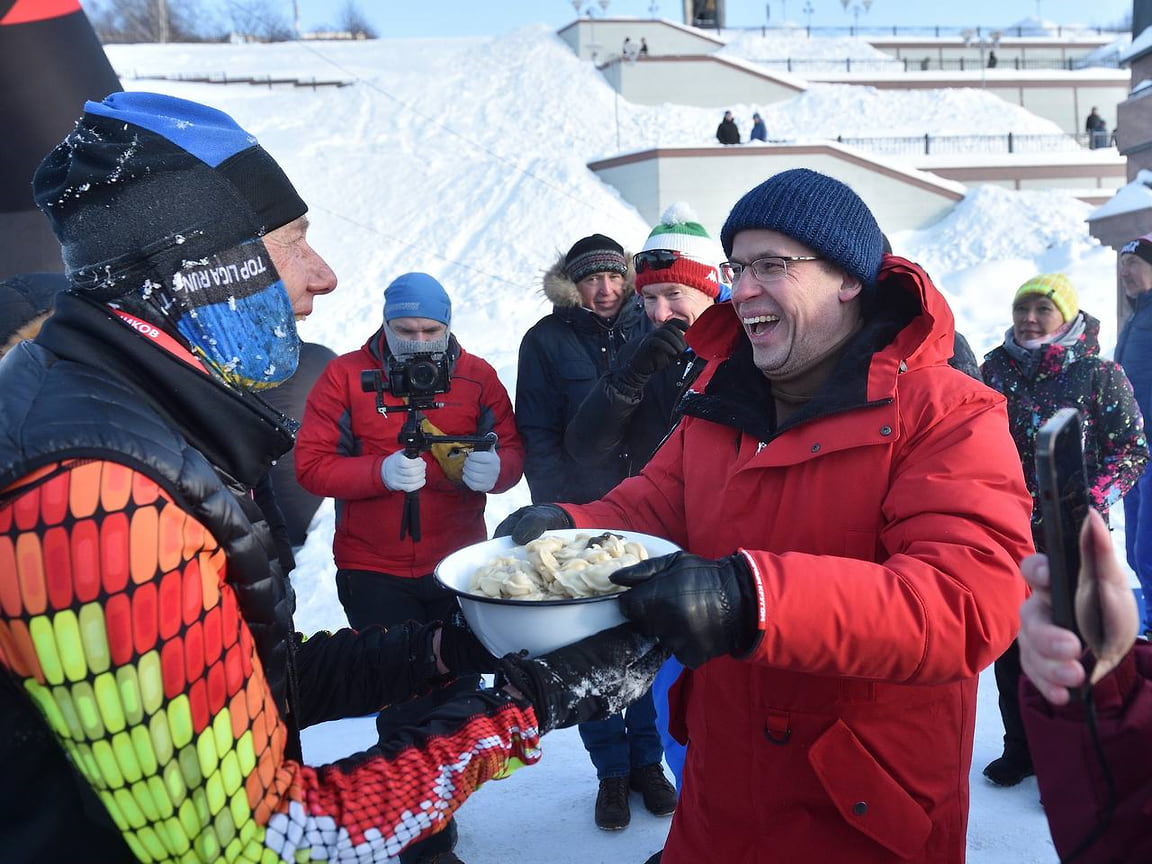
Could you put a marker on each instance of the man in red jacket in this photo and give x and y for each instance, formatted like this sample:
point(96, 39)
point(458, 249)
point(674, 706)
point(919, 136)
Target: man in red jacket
point(349, 450)
point(852, 513)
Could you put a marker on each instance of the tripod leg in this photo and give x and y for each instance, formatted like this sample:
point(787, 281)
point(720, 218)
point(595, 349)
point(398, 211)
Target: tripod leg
point(404, 516)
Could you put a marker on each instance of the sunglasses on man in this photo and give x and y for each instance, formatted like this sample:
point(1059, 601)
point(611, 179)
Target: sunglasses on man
point(660, 259)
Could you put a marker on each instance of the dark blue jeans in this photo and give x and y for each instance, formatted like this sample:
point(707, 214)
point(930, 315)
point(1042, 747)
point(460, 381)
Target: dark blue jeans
point(1138, 540)
point(624, 741)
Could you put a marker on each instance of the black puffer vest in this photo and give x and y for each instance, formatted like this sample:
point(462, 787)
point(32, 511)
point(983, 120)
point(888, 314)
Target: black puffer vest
point(90, 388)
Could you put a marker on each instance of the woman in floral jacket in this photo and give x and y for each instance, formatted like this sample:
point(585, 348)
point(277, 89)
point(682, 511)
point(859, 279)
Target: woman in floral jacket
point(1050, 360)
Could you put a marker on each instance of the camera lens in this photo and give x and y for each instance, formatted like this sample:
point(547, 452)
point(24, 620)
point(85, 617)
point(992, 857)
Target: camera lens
point(423, 375)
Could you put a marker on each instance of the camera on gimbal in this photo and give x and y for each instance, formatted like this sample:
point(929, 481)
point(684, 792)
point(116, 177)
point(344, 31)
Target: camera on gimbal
point(417, 379)
point(419, 375)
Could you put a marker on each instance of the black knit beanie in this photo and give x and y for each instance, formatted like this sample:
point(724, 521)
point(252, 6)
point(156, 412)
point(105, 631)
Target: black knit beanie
point(1141, 247)
point(146, 181)
point(159, 204)
point(820, 212)
point(594, 254)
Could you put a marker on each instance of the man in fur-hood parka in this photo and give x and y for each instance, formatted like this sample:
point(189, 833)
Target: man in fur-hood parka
point(595, 311)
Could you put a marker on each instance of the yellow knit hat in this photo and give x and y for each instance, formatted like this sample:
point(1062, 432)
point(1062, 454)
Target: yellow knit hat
point(1057, 288)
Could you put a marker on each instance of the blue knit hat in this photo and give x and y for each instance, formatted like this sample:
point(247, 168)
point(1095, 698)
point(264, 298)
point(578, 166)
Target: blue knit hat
point(417, 295)
point(818, 211)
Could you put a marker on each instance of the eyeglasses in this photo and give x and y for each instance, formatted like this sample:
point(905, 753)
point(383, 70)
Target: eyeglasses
point(763, 269)
point(658, 259)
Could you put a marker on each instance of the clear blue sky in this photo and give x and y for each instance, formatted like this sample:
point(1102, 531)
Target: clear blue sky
point(491, 17)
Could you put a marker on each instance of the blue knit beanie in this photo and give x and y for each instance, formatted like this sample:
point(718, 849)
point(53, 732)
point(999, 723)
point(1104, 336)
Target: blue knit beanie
point(820, 212)
point(417, 295)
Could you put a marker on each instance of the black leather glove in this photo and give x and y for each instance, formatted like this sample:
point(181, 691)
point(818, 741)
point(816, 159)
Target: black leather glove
point(591, 680)
point(699, 607)
point(462, 652)
point(659, 348)
point(530, 522)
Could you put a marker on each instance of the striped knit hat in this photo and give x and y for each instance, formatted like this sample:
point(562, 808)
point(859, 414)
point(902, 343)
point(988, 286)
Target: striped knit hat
point(1057, 288)
point(680, 231)
point(594, 254)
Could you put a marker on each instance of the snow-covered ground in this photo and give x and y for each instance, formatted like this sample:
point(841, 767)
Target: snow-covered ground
point(466, 159)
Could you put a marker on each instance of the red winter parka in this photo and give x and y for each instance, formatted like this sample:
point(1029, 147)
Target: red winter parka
point(884, 521)
point(343, 441)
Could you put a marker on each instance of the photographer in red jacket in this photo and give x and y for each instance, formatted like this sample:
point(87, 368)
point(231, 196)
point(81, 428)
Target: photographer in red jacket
point(1093, 757)
point(349, 448)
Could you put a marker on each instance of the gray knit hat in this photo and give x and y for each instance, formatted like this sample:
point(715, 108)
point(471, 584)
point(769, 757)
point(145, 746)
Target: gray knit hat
point(819, 211)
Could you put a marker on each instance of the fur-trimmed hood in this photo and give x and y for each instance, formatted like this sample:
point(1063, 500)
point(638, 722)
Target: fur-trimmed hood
point(562, 292)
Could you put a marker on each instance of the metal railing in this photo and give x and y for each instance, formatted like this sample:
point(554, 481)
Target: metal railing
point(225, 78)
point(943, 145)
point(927, 64)
point(941, 32)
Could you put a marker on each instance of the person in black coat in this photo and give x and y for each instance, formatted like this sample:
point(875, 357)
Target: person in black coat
point(595, 313)
point(727, 132)
point(297, 504)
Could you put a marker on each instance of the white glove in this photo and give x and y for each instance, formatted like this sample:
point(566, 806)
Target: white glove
point(401, 474)
point(481, 468)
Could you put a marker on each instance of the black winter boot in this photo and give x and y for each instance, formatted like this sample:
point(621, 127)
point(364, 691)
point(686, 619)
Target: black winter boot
point(659, 794)
point(1009, 769)
point(612, 810)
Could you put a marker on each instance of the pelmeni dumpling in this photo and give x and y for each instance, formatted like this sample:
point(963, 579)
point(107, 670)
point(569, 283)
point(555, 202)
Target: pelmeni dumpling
point(557, 568)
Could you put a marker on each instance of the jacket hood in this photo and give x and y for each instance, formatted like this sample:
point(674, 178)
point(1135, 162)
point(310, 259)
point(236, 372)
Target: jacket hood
point(562, 292)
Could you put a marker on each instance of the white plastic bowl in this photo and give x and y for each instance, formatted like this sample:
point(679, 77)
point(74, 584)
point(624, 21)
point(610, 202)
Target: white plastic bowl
point(535, 626)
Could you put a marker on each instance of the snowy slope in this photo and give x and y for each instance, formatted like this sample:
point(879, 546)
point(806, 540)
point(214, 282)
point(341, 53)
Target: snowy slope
point(465, 158)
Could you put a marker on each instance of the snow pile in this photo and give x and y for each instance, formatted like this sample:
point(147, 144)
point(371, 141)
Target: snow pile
point(1107, 55)
point(828, 110)
point(979, 266)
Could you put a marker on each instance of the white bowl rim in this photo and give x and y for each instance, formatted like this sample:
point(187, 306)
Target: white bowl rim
point(560, 601)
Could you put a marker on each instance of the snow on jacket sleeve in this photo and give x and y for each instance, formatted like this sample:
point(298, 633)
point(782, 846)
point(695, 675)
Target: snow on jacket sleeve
point(325, 462)
point(1122, 446)
point(939, 601)
point(117, 618)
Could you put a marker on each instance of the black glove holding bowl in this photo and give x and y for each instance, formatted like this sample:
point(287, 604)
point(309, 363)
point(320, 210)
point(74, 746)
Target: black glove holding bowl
point(698, 608)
